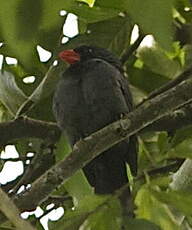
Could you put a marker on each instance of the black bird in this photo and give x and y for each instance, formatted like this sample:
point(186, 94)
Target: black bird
point(91, 94)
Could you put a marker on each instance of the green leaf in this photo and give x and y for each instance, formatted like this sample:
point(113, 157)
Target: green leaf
point(158, 62)
point(91, 202)
point(78, 187)
point(75, 218)
point(181, 135)
point(82, 10)
point(51, 25)
point(153, 210)
point(163, 143)
point(182, 201)
point(181, 143)
point(107, 217)
point(115, 4)
point(153, 17)
point(28, 17)
point(4, 113)
point(182, 150)
point(44, 89)
point(62, 148)
point(68, 222)
point(141, 224)
point(10, 95)
point(140, 78)
point(117, 37)
point(18, 33)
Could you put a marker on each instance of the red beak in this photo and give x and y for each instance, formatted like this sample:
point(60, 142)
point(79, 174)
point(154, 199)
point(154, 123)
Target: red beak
point(69, 56)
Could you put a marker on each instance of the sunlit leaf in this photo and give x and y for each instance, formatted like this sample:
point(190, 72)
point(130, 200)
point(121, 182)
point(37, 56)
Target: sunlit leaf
point(182, 201)
point(89, 2)
point(153, 210)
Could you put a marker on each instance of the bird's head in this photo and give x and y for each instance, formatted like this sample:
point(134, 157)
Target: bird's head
point(84, 53)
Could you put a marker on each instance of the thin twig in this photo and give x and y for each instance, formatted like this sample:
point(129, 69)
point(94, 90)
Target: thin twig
point(183, 76)
point(132, 48)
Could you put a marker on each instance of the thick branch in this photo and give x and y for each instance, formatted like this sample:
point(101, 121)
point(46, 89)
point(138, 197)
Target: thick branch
point(100, 141)
point(24, 127)
point(175, 120)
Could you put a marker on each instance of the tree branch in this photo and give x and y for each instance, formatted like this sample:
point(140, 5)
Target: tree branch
point(183, 76)
point(175, 120)
point(24, 127)
point(87, 149)
point(132, 48)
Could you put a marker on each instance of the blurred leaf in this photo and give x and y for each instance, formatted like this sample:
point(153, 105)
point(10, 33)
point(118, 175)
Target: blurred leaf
point(182, 201)
point(141, 224)
point(91, 202)
point(182, 150)
point(74, 219)
point(153, 210)
point(41, 110)
point(181, 143)
point(82, 10)
point(163, 143)
point(115, 4)
point(62, 148)
point(4, 113)
point(107, 217)
point(158, 62)
point(44, 90)
point(10, 95)
point(140, 78)
point(51, 25)
point(68, 222)
point(153, 17)
point(25, 25)
point(181, 135)
point(28, 17)
point(90, 15)
point(188, 55)
point(19, 74)
point(21, 46)
point(117, 37)
point(78, 187)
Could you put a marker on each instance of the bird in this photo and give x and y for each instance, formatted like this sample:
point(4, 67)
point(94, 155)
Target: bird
point(91, 94)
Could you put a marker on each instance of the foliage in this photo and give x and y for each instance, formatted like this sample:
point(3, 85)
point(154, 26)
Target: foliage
point(25, 25)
